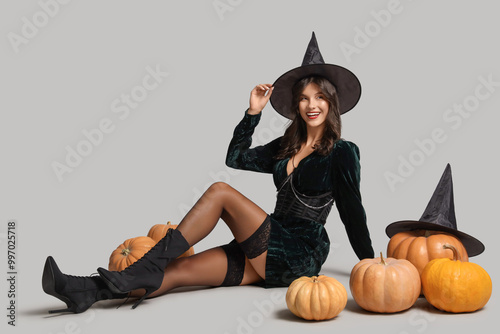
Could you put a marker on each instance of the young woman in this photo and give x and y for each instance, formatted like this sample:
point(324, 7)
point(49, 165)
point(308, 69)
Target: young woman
point(312, 167)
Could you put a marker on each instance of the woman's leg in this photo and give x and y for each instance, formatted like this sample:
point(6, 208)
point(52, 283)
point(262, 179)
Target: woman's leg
point(248, 223)
point(207, 268)
point(242, 216)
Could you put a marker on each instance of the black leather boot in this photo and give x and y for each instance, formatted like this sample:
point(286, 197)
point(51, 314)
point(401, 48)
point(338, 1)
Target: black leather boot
point(79, 293)
point(147, 273)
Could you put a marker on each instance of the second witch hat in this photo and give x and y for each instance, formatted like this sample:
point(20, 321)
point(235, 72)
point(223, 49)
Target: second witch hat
point(346, 83)
point(440, 215)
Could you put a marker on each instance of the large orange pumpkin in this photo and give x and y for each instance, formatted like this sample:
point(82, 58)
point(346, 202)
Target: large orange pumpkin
point(316, 298)
point(421, 246)
point(129, 251)
point(456, 286)
point(158, 231)
point(385, 285)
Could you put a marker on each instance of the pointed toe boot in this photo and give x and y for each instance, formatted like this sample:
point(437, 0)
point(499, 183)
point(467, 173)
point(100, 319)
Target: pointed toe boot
point(78, 292)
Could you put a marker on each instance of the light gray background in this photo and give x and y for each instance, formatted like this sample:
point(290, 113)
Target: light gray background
point(158, 160)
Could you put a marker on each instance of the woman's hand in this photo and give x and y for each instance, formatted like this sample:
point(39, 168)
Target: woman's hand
point(259, 98)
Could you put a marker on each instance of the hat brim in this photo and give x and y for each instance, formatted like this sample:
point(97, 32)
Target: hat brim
point(346, 83)
point(472, 245)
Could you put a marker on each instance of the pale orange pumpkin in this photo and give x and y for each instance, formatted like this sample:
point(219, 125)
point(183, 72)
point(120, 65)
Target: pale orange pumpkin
point(158, 231)
point(385, 285)
point(456, 286)
point(421, 246)
point(316, 298)
point(129, 251)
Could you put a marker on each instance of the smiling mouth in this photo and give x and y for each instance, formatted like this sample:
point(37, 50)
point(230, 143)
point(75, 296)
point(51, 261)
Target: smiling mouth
point(312, 115)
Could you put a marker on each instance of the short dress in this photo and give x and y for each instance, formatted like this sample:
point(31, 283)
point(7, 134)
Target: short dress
point(298, 242)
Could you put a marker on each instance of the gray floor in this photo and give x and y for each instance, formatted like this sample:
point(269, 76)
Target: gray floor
point(116, 116)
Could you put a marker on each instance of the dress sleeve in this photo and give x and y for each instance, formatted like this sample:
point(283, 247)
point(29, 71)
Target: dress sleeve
point(346, 176)
point(241, 156)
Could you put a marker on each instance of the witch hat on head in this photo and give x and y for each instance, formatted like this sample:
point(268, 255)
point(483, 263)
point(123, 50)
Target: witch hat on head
point(346, 83)
point(439, 215)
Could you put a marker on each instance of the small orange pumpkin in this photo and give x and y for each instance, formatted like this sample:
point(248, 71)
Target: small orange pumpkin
point(385, 285)
point(158, 231)
point(421, 246)
point(456, 286)
point(316, 298)
point(129, 251)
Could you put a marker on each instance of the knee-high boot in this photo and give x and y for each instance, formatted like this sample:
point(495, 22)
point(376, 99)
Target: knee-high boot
point(147, 273)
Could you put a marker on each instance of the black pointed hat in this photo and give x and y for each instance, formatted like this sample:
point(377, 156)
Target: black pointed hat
point(346, 83)
point(439, 215)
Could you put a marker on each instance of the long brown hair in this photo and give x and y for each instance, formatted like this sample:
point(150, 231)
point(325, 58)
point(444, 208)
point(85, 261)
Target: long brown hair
point(296, 133)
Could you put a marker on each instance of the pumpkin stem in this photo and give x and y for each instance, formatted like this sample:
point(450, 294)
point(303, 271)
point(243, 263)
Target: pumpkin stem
point(315, 279)
point(125, 251)
point(382, 261)
point(168, 223)
point(456, 256)
point(427, 233)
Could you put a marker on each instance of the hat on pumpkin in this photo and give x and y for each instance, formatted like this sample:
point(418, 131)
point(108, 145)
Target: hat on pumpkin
point(439, 215)
point(346, 83)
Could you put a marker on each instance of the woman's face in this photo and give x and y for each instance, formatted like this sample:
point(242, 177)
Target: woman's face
point(313, 106)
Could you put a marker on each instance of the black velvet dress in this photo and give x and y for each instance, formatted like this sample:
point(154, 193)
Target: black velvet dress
point(298, 242)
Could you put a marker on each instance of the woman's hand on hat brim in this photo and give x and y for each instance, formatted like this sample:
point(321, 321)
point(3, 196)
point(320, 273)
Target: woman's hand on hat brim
point(259, 96)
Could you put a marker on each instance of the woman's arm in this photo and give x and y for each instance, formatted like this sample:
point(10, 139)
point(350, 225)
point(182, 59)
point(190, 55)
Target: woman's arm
point(348, 197)
point(241, 156)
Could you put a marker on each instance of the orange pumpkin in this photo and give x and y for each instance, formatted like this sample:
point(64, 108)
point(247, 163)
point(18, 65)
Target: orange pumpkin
point(316, 298)
point(158, 231)
point(456, 286)
point(385, 285)
point(129, 251)
point(421, 246)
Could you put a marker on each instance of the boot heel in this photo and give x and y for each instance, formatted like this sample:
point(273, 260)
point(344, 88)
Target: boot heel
point(148, 292)
point(69, 309)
